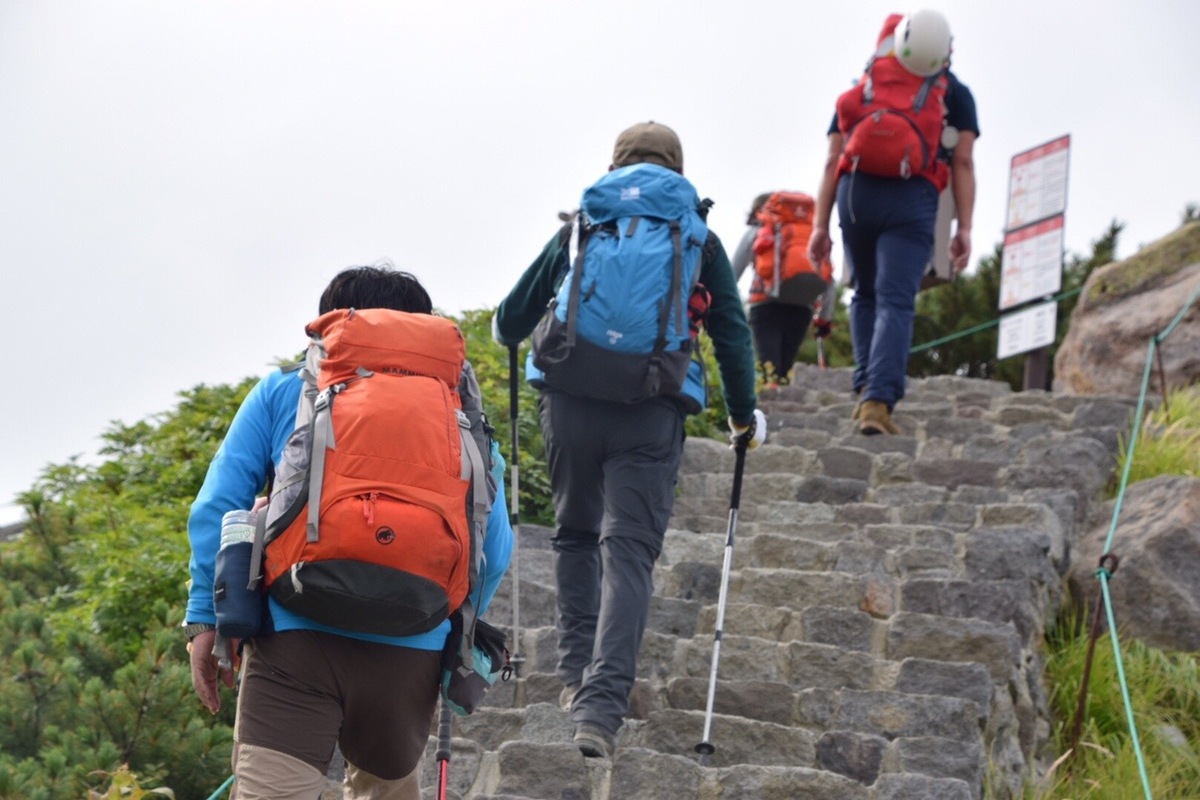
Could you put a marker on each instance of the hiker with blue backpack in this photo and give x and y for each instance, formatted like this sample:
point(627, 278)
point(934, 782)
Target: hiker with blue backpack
point(900, 135)
point(382, 542)
point(613, 302)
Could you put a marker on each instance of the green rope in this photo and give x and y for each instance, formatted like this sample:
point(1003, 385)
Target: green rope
point(1112, 631)
point(1179, 317)
point(991, 323)
point(1133, 440)
point(957, 335)
point(221, 789)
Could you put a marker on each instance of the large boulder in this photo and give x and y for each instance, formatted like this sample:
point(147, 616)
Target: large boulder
point(1155, 589)
point(1121, 307)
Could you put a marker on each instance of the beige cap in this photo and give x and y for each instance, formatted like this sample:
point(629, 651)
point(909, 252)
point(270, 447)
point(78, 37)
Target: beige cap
point(648, 142)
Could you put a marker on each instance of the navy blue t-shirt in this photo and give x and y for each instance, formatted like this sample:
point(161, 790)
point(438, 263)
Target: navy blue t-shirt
point(960, 112)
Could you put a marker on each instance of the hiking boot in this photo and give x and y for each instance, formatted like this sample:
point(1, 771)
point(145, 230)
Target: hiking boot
point(593, 741)
point(567, 696)
point(874, 418)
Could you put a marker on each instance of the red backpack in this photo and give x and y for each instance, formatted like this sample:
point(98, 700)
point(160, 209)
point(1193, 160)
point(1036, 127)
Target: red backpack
point(781, 250)
point(380, 499)
point(892, 119)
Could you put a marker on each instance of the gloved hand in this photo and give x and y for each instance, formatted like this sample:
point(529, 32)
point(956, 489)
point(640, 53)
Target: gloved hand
point(823, 327)
point(496, 337)
point(753, 434)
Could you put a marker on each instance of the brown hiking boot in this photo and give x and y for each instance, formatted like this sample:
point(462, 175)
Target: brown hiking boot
point(874, 418)
point(593, 741)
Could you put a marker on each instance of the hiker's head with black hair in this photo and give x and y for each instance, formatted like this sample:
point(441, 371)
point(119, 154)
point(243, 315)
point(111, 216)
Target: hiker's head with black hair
point(648, 143)
point(756, 206)
point(376, 286)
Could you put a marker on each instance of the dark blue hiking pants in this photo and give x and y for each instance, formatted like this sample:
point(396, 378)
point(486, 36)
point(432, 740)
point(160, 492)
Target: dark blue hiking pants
point(613, 468)
point(887, 228)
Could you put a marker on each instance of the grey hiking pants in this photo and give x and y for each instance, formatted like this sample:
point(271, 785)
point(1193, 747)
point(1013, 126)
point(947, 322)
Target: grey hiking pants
point(613, 469)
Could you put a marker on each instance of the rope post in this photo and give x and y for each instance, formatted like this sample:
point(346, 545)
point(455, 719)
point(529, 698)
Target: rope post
point(1104, 572)
point(1162, 373)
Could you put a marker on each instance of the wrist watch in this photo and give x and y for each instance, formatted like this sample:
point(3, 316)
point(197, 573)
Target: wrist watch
point(193, 629)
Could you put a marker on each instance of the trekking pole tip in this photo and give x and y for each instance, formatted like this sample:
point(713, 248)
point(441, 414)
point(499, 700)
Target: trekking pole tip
point(705, 749)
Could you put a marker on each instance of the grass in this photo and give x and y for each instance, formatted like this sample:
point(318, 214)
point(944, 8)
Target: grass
point(1153, 262)
point(1165, 696)
point(1169, 443)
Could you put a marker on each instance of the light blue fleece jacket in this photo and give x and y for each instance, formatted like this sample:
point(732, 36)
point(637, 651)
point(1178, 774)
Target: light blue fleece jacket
point(238, 473)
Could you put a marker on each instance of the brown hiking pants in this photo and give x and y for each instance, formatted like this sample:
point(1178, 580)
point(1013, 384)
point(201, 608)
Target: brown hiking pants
point(302, 692)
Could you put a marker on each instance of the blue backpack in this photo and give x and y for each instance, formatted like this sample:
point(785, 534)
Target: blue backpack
point(618, 328)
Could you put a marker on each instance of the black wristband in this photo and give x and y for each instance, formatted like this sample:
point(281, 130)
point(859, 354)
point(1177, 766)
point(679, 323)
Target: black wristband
point(193, 629)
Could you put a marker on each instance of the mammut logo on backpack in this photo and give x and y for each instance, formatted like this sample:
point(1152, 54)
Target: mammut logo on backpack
point(614, 336)
point(385, 536)
point(631, 192)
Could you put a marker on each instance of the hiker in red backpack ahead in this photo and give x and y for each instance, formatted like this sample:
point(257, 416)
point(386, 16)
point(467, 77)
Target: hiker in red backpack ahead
point(899, 135)
point(307, 687)
point(614, 461)
point(786, 290)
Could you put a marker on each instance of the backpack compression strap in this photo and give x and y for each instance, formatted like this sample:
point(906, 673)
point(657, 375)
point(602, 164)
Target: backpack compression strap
point(478, 509)
point(576, 248)
point(674, 299)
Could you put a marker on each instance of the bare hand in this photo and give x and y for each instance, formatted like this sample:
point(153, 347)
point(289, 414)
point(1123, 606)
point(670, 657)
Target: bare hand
point(960, 250)
point(819, 246)
point(206, 668)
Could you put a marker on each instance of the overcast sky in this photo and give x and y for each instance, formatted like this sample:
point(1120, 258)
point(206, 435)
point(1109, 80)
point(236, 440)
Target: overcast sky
point(179, 180)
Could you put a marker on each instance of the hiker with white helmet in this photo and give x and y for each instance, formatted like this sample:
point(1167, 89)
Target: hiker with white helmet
point(904, 132)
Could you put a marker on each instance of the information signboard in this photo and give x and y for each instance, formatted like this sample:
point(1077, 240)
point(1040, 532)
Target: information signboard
point(1028, 329)
point(1037, 183)
point(1032, 262)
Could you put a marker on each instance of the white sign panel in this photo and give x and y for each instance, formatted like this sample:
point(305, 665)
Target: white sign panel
point(1037, 183)
point(1029, 329)
point(1032, 263)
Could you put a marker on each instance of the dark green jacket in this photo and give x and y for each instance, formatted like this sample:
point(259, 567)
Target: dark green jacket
point(518, 314)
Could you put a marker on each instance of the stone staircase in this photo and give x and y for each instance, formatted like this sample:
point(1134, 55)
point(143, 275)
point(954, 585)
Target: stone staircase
point(887, 603)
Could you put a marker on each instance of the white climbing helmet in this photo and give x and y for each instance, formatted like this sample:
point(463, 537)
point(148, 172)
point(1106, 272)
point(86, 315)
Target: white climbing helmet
point(923, 42)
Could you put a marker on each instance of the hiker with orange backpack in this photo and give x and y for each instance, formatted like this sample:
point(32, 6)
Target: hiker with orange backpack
point(786, 288)
point(899, 136)
point(385, 529)
point(610, 303)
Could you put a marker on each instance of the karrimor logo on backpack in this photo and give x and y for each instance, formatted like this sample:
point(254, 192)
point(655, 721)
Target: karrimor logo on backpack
point(618, 328)
point(892, 118)
point(378, 504)
point(781, 251)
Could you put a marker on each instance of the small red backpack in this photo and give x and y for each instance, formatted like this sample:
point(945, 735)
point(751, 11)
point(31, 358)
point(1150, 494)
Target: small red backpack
point(892, 119)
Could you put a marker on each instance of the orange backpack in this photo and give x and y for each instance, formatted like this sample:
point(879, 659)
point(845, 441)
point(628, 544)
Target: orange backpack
point(781, 249)
point(379, 504)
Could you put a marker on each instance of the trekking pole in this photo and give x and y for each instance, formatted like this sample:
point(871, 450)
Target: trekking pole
point(445, 725)
point(821, 352)
point(705, 747)
point(517, 660)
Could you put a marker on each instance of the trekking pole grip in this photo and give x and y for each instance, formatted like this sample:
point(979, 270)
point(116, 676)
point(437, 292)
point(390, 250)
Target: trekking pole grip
point(445, 728)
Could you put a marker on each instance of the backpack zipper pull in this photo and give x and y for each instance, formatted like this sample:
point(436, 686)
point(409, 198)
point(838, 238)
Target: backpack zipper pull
point(369, 507)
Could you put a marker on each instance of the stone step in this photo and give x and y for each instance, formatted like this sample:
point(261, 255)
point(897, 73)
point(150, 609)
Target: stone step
point(547, 771)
